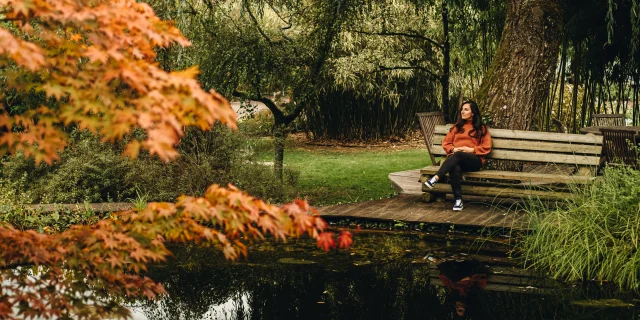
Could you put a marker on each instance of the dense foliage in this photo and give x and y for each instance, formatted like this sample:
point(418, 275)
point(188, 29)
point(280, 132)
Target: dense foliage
point(94, 171)
point(593, 235)
point(388, 58)
point(599, 66)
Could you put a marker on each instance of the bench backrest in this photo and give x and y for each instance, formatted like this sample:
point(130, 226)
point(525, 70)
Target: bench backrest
point(603, 120)
point(428, 121)
point(534, 146)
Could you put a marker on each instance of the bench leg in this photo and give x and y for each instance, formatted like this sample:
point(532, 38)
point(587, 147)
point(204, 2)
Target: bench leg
point(428, 197)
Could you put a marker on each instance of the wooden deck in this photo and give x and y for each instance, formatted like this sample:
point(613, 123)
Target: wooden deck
point(404, 207)
point(407, 206)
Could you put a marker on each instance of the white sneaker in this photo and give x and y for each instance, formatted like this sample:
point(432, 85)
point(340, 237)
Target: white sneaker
point(430, 183)
point(457, 206)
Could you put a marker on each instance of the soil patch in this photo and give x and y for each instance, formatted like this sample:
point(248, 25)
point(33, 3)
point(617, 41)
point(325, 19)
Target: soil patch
point(413, 140)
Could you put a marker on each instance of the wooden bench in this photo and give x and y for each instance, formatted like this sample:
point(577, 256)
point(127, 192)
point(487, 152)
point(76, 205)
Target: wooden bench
point(559, 160)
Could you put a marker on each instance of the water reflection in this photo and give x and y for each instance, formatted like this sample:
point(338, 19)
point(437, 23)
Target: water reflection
point(383, 277)
point(465, 281)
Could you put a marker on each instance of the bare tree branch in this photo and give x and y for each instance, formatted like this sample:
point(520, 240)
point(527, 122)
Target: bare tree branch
point(255, 22)
point(277, 113)
point(282, 29)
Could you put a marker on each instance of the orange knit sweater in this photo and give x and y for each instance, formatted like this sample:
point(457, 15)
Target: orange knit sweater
point(453, 139)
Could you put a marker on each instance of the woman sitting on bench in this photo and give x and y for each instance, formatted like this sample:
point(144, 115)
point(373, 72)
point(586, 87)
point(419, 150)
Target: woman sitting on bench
point(466, 145)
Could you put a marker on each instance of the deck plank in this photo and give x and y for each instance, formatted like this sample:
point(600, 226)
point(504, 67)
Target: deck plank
point(408, 207)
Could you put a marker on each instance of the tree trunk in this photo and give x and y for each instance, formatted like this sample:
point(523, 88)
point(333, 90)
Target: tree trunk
point(575, 62)
point(563, 67)
point(279, 138)
point(446, 61)
point(636, 95)
point(585, 97)
point(517, 82)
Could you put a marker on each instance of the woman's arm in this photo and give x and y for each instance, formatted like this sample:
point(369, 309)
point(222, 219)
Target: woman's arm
point(484, 147)
point(447, 143)
point(464, 149)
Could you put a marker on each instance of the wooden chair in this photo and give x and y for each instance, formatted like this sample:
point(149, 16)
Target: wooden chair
point(428, 121)
point(617, 146)
point(608, 120)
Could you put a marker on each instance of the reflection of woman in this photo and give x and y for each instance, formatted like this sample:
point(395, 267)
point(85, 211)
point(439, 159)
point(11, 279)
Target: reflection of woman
point(466, 144)
point(462, 279)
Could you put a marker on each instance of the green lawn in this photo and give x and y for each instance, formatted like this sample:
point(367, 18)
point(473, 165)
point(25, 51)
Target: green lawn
point(333, 177)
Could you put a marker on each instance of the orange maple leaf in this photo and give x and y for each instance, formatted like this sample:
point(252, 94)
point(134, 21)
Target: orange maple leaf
point(325, 241)
point(344, 240)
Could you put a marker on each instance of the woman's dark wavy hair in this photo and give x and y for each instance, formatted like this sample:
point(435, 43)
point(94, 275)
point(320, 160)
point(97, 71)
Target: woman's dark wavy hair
point(479, 128)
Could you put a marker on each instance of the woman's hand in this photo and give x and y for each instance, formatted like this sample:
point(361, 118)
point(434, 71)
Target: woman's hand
point(463, 149)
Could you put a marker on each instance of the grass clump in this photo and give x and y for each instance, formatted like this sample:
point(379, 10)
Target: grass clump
point(593, 235)
point(50, 220)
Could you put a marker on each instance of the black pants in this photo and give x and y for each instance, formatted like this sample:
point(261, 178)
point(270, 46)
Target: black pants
point(455, 165)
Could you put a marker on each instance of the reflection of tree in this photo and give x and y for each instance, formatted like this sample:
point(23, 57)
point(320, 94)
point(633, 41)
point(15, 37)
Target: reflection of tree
point(191, 293)
point(292, 291)
point(286, 291)
point(389, 291)
point(267, 288)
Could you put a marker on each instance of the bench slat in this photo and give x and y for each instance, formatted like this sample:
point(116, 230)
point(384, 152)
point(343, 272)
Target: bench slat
point(532, 135)
point(533, 156)
point(536, 146)
point(510, 175)
point(498, 191)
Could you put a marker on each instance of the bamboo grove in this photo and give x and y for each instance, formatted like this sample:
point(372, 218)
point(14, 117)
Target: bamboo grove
point(599, 67)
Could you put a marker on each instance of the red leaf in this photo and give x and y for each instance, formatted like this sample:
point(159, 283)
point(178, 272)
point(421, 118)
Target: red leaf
point(325, 241)
point(345, 240)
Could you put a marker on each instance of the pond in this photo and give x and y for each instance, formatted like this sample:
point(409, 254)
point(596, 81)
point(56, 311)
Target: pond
point(386, 275)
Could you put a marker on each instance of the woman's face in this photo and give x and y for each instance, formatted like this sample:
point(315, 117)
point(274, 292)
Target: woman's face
point(466, 112)
point(460, 308)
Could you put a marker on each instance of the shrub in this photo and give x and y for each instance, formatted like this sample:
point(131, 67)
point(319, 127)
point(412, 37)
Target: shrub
point(87, 171)
point(259, 124)
point(219, 156)
point(92, 171)
point(205, 158)
point(51, 221)
point(594, 235)
point(258, 180)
